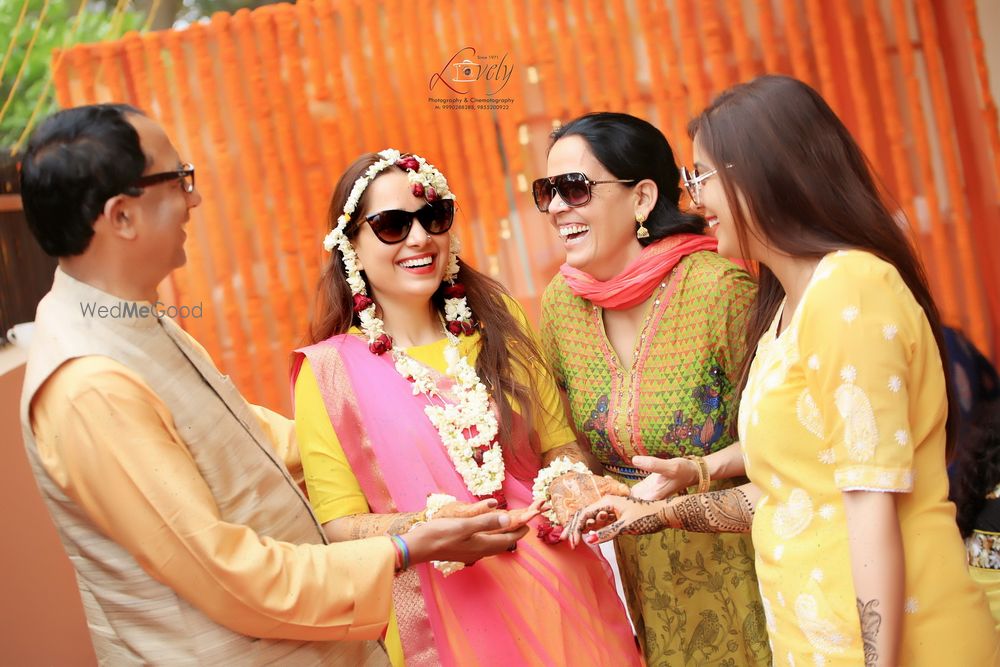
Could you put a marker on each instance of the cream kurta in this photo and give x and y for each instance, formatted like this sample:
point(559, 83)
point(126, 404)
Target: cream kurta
point(851, 397)
point(189, 537)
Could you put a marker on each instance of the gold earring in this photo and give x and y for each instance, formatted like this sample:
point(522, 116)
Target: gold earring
point(642, 232)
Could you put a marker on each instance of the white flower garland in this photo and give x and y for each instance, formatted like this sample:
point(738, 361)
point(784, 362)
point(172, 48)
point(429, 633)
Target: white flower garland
point(455, 421)
point(469, 425)
point(560, 466)
point(435, 502)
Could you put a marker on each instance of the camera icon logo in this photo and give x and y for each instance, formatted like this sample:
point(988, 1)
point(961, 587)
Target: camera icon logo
point(466, 71)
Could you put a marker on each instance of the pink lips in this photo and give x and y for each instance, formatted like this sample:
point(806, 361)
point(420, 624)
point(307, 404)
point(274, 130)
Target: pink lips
point(419, 270)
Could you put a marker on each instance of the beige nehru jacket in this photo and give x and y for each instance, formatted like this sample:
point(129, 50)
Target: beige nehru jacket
point(192, 542)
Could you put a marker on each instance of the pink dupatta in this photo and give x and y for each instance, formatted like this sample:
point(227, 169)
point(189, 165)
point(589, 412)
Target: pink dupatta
point(471, 617)
point(637, 280)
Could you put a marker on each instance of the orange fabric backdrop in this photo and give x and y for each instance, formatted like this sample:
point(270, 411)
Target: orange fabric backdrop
point(272, 105)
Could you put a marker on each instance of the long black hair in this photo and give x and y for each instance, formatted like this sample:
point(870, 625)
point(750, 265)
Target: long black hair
point(808, 188)
point(633, 149)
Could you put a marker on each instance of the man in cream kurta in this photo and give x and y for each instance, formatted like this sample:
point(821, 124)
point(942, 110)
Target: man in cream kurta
point(178, 503)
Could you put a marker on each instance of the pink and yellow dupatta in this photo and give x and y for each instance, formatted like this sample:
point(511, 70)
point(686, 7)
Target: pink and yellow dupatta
point(539, 605)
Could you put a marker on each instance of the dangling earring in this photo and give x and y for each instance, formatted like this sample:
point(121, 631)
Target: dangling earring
point(642, 232)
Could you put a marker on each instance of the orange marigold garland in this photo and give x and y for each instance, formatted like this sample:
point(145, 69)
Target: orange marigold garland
point(152, 44)
point(61, 78)
point(856, 79)
point(280, 259)
point(610, 90)
point(315, 178)
point(718, 53)
point(111, 70)
point(358, 69)
point(693, 59)
point(242, 219)
point(650, 20)
point(487, 150)
point(569, 65)
point(218, 205)
point(768, 39)
point(135, 70)
point(798, 44)
point(337, 118)
point(626, 53)
point(294, 234)
point(989, 106)
point(746, 63)
point(207, 334)
point(824, 59)
point(889, 112)
point(971, 290)
point(944, 270)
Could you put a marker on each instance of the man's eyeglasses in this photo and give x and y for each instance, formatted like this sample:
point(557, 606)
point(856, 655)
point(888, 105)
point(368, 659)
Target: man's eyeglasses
point(573, 189)
point(393, 226)
point(184, 174)
point(694, 181)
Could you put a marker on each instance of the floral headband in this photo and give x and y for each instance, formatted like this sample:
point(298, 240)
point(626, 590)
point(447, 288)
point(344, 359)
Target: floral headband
point(427, 182)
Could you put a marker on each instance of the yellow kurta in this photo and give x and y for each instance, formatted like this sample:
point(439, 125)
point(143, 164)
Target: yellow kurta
point(334, 491)
point(851, 397)
point(110, 444)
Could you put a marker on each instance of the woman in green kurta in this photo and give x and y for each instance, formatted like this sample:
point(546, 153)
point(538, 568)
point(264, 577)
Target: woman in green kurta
point(644, 329)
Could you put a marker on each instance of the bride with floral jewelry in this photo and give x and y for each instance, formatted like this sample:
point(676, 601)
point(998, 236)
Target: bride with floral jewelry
point(422, 395)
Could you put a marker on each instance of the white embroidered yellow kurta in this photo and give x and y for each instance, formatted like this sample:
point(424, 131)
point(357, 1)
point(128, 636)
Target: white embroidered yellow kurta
point(851, 396)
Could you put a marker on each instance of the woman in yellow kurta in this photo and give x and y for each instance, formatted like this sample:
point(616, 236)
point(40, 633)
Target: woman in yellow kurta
point(422, 393)
point(844, 417)
point(334, 491)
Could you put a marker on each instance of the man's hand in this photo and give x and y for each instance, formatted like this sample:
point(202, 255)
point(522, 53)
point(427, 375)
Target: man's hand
point(463, 540)
point(667, 477)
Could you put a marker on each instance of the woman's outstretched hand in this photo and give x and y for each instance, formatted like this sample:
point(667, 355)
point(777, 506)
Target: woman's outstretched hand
point(612, 516)
point(667, 477)
point(575, 490)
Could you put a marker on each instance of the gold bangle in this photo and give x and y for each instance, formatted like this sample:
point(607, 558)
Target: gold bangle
point(704, 478)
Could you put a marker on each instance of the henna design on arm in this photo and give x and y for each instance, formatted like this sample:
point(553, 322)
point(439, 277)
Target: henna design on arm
point(725, 511)
point(361, 526)
point(871, 621)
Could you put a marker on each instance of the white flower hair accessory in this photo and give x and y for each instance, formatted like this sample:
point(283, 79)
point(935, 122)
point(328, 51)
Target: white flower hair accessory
point(427, 182)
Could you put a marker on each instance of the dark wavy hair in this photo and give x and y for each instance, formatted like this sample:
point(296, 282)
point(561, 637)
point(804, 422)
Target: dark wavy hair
point(809, 189)
point(977, 471)
point(74, 162)
point(633, 149)
point(506, 350)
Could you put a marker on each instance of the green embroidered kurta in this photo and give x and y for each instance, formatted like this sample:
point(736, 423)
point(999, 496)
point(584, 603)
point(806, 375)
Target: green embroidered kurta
point(693, 597)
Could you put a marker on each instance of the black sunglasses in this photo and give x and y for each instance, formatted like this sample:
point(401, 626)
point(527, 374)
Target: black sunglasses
point(393, 226)
point(184, 174)
point(573, 189)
